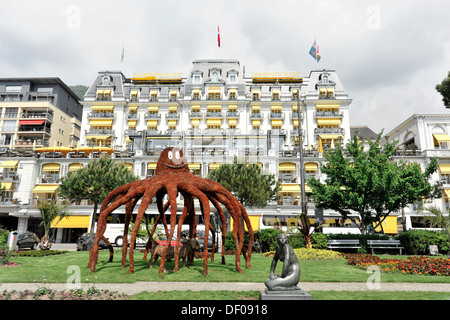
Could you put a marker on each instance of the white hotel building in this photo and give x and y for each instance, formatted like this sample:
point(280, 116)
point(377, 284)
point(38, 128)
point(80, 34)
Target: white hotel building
point(215, 112)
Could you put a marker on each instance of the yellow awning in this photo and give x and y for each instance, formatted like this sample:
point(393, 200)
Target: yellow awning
point(133, 108)
point(232, 107)
point(232, 122)
point(330, 91)
point(287, 166)
point(276, 108)
point(213, 122)
point(311, 167)
point(153, 109)
point(293, 188)
point(75, 166)
point(153, 92)
point(51, 167)
point(389, 225)
point(214, 166)
point(444, 168)
point(104, 108)
point(107, 91)
point(98, 137)
point(132, 123)
point(214, 90)
point(214, 107)
point(172, 123)
point(194, 166)
point(45, 188)
point(152, 123)
point(277, 123)
point(232, 90)
point(289, 188)
point(328, 106)
point(9, 164)
point(256, 123)
point(330, 136)
point(134, 92)
point(295, 122)
point(329, 122)
point(71, 222)
point(6, 185)
point(195, 122)
point(101, 123)
point(323, 90)
point(295, 108)
point(173, 92)
point(256, 108)
point(255, 91)
point(195, 107)
point(441, 138)
point(129, 166)
point(173, 108)
point(447, 193)
point(151, 165)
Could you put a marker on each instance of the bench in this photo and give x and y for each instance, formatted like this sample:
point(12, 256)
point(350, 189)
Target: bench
point(384, 244)
point(343, 244)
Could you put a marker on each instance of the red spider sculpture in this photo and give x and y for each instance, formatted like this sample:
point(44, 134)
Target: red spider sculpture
point(172, 176)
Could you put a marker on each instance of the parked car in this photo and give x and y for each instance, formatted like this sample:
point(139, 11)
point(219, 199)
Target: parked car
point(201, 237)
point(84, 245)
point(27, 240)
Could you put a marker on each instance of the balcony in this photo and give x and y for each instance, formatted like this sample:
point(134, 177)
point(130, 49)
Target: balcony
point(213, 114)
point(255, 115)
point(93, 132)
point(172, 115)
point(34, 129)
point(37, 115)
point(329, 131)
point(50, 178)
point(328, 114)
point(150, 115)
point(101, 115)
point(276, 115)
point(232, 114)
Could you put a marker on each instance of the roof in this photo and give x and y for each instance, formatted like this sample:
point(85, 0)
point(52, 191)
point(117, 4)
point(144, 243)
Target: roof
point(363, 132)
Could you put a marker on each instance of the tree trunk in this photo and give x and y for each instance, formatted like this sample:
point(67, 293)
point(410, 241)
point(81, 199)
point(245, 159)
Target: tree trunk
point(45, 243)
point(308, 241)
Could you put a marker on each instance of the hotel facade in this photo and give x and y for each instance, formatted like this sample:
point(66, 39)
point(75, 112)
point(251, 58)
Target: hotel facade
point(215, 113)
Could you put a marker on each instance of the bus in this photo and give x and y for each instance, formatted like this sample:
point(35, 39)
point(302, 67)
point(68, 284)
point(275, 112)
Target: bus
point(116, 225)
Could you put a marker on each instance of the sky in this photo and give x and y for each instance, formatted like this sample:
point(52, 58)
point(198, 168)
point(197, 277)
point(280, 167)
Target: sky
point(389, 55)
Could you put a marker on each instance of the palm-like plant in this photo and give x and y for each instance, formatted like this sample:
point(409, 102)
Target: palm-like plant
point(439, 219)
point(50, 211)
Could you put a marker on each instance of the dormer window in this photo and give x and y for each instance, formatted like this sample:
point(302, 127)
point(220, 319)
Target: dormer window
point(196, 78)
point(215, 76)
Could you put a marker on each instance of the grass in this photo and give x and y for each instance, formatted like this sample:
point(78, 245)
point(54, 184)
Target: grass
point(316, 295)
point(55, 269)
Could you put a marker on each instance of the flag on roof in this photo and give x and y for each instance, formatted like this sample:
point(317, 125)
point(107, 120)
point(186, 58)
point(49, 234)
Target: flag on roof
point(314, 52)
point(218, 36)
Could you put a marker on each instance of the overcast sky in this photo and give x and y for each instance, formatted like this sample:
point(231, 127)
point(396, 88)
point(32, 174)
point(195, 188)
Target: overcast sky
point(389, 55)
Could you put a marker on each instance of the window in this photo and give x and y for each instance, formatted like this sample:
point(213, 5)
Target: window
point(197, 78)
point(11, 112)
point(233, 78)
point(214, 76)
point(13, 88)
point(9, 125)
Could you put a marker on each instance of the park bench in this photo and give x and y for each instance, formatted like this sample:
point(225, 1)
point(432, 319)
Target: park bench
point(343, 244)
point(384, 244)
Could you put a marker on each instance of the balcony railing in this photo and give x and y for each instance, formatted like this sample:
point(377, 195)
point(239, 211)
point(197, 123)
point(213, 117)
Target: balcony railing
point(149, 115)
point(328, 114)
point(329, 130)
point(109, 132)
point(101, 115)
point(34, 115)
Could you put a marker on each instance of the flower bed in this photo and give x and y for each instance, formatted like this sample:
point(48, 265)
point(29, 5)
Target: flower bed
point(412, 265)
point(312, 254)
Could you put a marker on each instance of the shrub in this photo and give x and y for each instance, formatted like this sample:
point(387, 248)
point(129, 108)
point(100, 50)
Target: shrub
point(268, 239)
point(319, 240)
point(297, 240)
point(416, 242)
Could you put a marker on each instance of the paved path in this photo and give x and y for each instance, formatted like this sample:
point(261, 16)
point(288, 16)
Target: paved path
point(133, 288)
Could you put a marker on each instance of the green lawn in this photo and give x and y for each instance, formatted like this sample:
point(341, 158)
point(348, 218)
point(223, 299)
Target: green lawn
point(54, 269)
point(316, 295)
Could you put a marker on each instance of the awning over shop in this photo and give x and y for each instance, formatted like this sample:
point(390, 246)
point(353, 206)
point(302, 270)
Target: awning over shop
point(389, 225)
point(9, 164)
point(45, 188)
point(71, 222)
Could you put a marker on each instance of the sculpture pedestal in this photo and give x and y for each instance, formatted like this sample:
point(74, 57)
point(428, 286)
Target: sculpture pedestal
point(284, 295)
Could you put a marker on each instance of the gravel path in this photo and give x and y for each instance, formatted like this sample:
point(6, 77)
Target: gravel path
point(133, 288)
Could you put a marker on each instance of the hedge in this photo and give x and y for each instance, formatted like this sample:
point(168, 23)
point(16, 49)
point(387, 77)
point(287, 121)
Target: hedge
point(416, 242)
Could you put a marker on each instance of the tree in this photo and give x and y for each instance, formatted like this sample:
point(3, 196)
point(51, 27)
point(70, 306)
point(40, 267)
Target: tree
point(438, 219)
point(368, 182)
point(444, 89)
point(49, 211)
point(94, 182)
point(247, 182)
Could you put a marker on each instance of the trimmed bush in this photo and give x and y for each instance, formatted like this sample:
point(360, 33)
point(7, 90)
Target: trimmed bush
point(416, 242)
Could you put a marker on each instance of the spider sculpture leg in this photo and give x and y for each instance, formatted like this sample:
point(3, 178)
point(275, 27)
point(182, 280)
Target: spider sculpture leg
point(148, 195)
point(204, 205)
point(172, 193)
point(129, 207)
point(223, 222)
point(180, 224)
